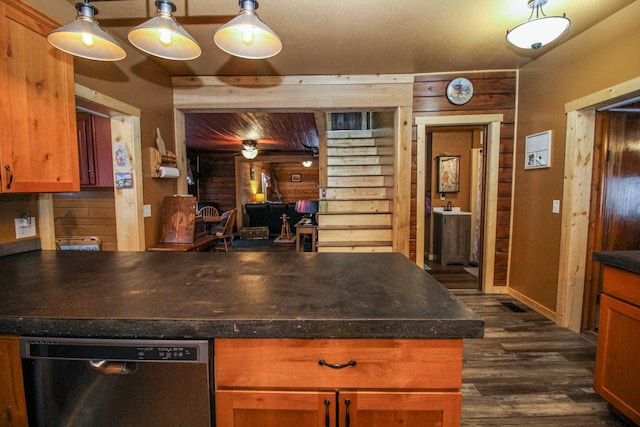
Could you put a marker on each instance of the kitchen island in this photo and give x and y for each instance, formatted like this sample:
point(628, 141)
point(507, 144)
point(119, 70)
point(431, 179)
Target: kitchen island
point(403, 328)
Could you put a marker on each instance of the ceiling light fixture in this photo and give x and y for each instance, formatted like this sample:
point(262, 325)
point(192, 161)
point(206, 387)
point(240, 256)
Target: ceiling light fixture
point(163, 37)
point(246, 36)
point(307, 163)
point(250, 150)
point(540, 31)
point(84, 37)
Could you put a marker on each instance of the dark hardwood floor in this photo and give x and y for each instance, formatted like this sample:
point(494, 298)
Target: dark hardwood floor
point(526, 371)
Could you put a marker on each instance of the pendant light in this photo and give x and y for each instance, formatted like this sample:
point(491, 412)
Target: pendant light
point(540, 31)
point(250, 150)
point(84, 37)
point(163, 37)
point(246, 36)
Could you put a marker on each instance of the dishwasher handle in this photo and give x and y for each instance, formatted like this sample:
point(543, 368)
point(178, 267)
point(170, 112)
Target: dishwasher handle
point(107, 367)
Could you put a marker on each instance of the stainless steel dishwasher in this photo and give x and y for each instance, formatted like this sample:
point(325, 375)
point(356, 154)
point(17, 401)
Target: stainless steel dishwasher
point(102, 382)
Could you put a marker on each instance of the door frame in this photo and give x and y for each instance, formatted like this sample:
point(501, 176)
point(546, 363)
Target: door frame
point(125, 128)
point(492, 156)
point(576, 196)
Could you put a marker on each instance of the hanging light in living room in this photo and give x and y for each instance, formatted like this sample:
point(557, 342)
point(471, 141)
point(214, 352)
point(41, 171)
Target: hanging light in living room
point(250, 150)
point(84, 37)
point(163, 37)
point(537, 32)
point(247, 36)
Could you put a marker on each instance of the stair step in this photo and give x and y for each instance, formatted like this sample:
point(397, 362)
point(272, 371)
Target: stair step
point(350, 134)
point(360, 181)
point(355, 142)
point(348, 227)
point(359, 170)
point(354, 219)
point(359, 206)
point(359, 160)
point(355, 235)
point(355, 249)
point(373, 193)
point(356, 243)
point(360, 151)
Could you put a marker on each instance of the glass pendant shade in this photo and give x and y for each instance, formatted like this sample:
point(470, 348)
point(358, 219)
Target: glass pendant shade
point(250, 154)
point(246, 36)
point(540, 31)
point(163, 37)
point(85, 38)
point(250, 150)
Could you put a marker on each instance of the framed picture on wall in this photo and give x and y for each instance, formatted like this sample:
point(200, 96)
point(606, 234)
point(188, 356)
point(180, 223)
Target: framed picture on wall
point(296, 177)
point(538, 150)
point(448, 170)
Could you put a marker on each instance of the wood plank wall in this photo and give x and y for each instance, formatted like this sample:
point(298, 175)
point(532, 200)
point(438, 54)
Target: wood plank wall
point(218, 180)
point(306, 189)
point(87, 213)
point(494, 93)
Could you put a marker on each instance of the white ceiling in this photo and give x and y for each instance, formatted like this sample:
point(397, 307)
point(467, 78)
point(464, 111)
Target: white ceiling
point(362, 37)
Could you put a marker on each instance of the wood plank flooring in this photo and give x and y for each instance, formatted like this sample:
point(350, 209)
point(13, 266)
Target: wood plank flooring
point(526, 371)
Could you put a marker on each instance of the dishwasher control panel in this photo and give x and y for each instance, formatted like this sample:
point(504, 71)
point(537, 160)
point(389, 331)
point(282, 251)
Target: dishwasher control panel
point(115, 350)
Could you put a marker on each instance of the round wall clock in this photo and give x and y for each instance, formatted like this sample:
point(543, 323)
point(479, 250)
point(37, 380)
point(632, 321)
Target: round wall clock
point(459, 91)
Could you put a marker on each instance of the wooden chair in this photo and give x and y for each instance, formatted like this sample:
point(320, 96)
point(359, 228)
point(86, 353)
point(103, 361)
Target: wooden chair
point(225, 235)
point(209, 214)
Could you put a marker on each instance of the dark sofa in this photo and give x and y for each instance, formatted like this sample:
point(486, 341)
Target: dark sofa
point(270, 215)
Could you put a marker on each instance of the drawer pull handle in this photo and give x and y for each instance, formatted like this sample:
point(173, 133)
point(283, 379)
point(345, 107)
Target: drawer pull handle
point(10, 175)
point(347, 420)
point(351, 362)
point(327, 416)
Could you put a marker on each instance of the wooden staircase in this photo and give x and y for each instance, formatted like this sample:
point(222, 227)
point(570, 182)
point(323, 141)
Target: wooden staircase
point(359, 194)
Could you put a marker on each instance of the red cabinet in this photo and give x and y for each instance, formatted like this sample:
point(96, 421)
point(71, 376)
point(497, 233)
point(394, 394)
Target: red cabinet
point(94, 150)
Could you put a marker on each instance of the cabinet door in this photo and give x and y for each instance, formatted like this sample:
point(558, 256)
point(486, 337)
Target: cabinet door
point(94, 150)
point(618, 356)
point(13, 408)
point(389, 409)
point(38, 147)
point(251, 408)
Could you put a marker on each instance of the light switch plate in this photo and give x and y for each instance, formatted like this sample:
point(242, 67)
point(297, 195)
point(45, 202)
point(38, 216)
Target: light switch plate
point(25, 227)
point(556, 206)
point(146, 211)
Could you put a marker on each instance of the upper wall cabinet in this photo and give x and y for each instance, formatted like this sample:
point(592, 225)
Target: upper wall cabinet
point(94, 148)
point(38, 145)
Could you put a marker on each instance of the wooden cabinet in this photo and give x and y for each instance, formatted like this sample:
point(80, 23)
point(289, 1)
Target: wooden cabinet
point(38, 147)
point(13, 407)
point(452, 237)
point(617, 369)
point(366, 383)
point(94, 150)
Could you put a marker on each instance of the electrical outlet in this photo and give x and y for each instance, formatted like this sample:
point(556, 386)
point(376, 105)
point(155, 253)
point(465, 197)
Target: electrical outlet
point(146, 211)
point(25, 227)
point(556, 206)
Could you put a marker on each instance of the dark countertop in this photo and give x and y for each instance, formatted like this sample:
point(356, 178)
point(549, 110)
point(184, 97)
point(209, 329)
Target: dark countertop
point(209, 295)
point(626, 260)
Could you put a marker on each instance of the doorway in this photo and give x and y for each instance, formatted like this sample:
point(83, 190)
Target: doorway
point(491, 124)
point(615, 213)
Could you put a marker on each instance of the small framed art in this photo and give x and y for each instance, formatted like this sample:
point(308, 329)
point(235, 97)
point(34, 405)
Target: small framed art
point(448, 169)
point(296, 177)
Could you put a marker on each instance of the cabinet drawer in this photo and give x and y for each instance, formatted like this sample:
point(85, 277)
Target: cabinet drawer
point(622, 284)
point(379, 364)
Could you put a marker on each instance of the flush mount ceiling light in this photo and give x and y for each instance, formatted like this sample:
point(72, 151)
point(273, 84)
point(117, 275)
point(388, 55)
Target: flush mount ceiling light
point(84, 37)
point(246, 36)
point(163, 37)
point(540, 31)
point(249, 148)
point(307, 163)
